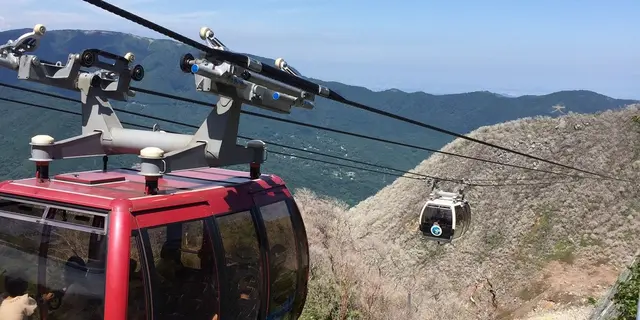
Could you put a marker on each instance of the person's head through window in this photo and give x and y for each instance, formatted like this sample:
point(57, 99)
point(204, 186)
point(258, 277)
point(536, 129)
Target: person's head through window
point(171, 253)
point(75, 270)
point(169, 265)
point(15, 285)
point(17, 304)
point(206, 258)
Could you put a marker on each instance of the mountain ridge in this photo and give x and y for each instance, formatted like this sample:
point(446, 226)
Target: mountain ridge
point(460, 113)
point(393, 90)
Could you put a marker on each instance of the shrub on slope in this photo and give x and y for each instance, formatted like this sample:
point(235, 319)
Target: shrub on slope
point(341, 285)
point(543, 242)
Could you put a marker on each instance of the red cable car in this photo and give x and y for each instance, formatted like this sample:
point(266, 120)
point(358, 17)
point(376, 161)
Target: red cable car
point(176, 238)
point(213, 242)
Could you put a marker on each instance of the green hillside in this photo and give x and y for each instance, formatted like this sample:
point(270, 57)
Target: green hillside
point(458, 112)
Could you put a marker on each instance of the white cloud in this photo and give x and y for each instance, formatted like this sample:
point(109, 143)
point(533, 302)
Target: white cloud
point(3, 24)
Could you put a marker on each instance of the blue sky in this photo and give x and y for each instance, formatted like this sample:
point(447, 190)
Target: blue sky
point(513, 47)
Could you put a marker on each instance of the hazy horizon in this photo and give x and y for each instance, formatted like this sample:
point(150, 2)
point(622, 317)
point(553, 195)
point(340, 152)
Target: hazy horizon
point(511, 48)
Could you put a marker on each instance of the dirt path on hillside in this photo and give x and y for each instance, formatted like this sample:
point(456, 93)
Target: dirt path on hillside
point(573, 313)
point(566, 289)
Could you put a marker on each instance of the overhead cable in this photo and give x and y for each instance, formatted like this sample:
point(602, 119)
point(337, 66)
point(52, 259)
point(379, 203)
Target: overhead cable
point(357, 135)
point(422, 176)
point(279, 75)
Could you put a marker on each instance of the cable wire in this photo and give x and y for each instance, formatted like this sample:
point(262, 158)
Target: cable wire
point(354, 167)
point(276, 74)
point(357, 135)
point(274, 152)
point(424, 177)
point(385, 167)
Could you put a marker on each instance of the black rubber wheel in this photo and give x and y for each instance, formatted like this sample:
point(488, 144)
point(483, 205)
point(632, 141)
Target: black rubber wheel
point(184, 62)
point(95, 81)
point(87, 59)
point(137, 73)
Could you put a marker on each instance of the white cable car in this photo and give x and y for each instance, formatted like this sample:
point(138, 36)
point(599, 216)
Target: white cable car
point(446, 216)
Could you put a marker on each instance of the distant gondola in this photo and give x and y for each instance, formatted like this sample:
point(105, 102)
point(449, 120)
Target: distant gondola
point(446, 216)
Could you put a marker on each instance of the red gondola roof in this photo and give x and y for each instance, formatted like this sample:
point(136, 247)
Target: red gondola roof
point(99, 189)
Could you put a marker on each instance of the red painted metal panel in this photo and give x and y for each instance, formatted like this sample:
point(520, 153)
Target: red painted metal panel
point(212, 174)
point(44, 193)
point(84, 188)
point(165, 215)
point(270, 196)
point(117, 281)
point(220, 190)
point(156, 202)
point(91, 177)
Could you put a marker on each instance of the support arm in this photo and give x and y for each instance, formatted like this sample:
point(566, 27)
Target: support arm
point(213, 144)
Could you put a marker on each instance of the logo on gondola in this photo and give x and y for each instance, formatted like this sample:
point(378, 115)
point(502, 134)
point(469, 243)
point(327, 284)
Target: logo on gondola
point(436, 230)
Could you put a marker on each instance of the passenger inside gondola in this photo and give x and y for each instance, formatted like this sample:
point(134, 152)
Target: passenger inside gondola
point(52, 259)
point(185, 271)
point(16, 304)
point(243, 264)
point(169, 267)
point(77, 298)
point(440, 215)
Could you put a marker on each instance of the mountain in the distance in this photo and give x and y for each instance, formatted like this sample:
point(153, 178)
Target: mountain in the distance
point(461, 113)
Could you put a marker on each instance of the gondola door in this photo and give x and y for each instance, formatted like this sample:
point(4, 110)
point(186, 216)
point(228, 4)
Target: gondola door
point(175, 251)
point(242, 264)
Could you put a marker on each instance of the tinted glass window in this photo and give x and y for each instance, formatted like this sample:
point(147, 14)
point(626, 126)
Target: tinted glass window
point(303, 252)
point(439, 214)
point(136, 306)
point(184, 267)
point(467, 218)
point(72, 271)
point(460, 221)
point(283, 264)
point(242, 259)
